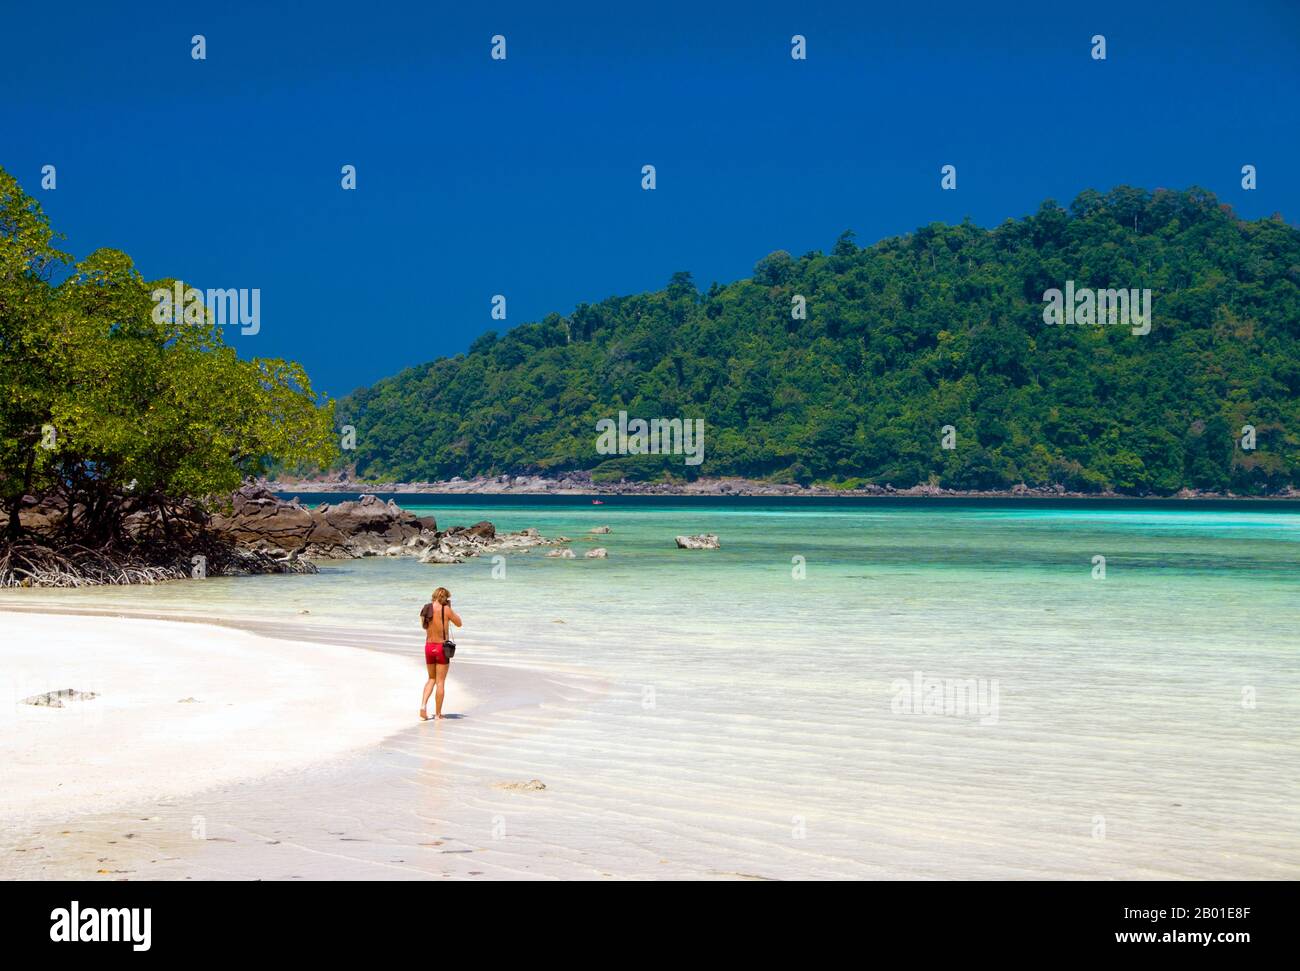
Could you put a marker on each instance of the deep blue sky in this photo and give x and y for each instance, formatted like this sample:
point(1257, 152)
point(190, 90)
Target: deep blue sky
point(522, 177)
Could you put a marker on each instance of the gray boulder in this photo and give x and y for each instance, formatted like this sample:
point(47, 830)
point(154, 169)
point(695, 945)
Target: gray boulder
point(701, 541)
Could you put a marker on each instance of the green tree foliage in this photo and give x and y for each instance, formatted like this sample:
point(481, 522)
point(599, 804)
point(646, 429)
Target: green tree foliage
point(30, 351)
point(943, 326)
point(135, 409)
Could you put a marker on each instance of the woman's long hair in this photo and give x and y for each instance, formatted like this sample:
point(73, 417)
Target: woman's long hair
point(442, 595)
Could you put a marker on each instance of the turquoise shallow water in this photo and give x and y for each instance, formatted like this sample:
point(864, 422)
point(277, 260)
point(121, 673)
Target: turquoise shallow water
point(754, 707)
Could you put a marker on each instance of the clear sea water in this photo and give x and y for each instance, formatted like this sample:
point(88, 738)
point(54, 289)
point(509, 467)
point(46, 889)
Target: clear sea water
point(742, 711)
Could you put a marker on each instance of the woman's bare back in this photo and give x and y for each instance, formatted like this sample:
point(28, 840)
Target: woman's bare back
point(437, 629)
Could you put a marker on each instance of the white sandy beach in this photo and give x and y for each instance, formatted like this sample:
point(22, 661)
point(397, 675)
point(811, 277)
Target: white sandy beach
point(181, 707)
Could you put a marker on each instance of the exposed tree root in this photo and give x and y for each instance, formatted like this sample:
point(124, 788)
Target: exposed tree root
point(33, 564)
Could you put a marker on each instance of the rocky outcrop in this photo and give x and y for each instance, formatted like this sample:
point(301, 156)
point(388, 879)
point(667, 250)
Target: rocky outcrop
point(562, 554)
point(256, 531)
point(599, 529)
point(464, 542)
point(260, 520)
point(701, 541)
point(599, 553)
point(371, 526)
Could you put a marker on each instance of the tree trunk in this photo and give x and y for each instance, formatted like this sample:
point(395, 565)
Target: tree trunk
point(14, 528)
point(166, 521)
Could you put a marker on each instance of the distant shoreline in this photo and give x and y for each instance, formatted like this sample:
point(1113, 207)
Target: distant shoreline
point(580, 485)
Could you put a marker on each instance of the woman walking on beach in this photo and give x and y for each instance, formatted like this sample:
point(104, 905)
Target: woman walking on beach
point(437, 618)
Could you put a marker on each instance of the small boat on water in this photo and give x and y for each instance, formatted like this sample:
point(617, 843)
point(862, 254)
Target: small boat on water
point(598, 502)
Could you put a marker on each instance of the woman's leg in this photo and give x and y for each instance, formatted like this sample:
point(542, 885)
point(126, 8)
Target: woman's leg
point(428, 690)
point(440, 674)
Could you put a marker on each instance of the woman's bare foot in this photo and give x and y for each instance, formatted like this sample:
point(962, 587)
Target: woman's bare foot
point(424, 715)
point(440, 717)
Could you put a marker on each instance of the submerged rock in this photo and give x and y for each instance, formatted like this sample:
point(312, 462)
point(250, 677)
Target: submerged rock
point(435, 555)
point(599, 553)
point(701, 541)
point(562, 554)
point(599, 529)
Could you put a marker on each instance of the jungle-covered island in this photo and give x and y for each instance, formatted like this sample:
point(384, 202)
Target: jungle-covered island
point(842, 369)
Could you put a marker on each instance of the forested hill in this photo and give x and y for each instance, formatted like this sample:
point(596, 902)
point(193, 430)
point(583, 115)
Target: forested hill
point(944, 326)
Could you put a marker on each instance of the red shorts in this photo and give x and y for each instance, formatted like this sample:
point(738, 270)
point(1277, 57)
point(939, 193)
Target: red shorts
point(434, 654)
